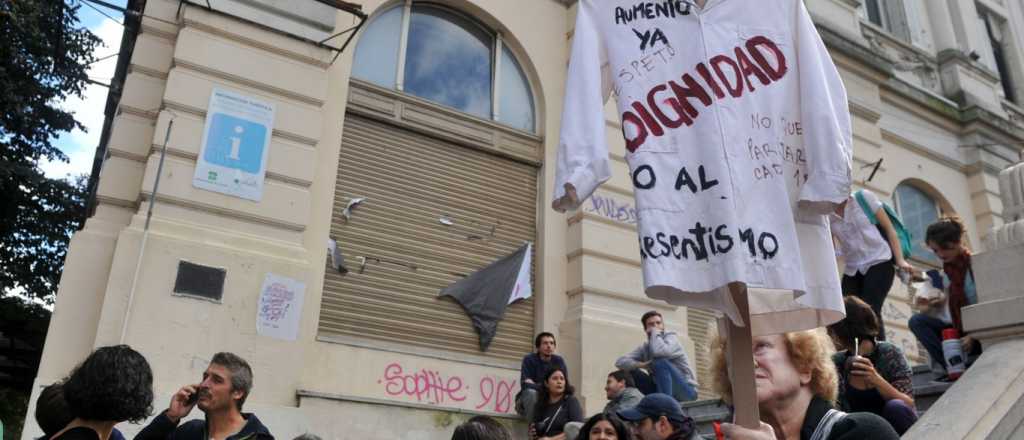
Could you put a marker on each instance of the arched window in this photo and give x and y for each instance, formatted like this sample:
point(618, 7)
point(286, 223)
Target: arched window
point(917, 210)
point(439, 54)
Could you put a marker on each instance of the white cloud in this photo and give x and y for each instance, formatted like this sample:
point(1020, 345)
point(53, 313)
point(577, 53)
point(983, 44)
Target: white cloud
point(80, 162)
point(80, 146)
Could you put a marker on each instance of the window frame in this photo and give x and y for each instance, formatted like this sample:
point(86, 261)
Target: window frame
point(931, 260)
point(497, 46)
point(998, 50)
point(882, 19)
point(908, 32)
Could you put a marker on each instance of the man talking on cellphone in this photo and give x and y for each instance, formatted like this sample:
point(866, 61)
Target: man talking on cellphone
point(220, 396)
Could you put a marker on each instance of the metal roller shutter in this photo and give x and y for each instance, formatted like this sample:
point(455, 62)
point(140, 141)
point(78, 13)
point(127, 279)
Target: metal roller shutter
point(700, 325)
point(411, 181)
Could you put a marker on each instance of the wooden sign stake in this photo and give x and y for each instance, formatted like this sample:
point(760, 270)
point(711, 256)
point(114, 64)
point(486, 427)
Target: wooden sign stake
point(741, 362)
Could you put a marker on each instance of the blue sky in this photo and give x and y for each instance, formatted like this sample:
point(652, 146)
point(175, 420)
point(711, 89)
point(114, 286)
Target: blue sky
point(78, 145)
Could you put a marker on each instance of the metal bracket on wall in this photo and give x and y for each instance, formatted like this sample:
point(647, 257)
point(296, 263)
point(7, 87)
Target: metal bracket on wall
point(351, 8)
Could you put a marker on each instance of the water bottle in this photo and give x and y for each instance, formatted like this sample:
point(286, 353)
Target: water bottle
point(953, 352)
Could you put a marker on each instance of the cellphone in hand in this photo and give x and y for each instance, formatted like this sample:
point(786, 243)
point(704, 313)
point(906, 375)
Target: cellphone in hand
point(856, 353)
point(193, 398)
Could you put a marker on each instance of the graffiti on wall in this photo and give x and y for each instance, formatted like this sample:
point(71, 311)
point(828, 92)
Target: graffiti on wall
point(611, 208)
point(896, 315)
point(488, 392)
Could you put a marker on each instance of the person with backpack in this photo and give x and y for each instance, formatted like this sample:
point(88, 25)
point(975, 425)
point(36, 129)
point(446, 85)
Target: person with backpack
point(874, 244)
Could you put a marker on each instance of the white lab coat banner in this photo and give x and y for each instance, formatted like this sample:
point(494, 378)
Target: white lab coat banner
point(280, 307)
point(738, 140)
point(236, 141)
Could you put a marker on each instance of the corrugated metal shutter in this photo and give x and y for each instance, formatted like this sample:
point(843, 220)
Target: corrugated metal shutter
point(700, 325)
point(411, 181)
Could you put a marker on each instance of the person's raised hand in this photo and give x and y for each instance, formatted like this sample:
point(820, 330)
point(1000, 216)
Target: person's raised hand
point(862, 367)
point(180, 405)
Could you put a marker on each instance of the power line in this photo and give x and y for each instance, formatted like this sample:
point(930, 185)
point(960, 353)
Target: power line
point(89, 4)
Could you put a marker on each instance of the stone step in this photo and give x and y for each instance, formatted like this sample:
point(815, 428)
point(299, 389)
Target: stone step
point(705, 412)
point(926, 389)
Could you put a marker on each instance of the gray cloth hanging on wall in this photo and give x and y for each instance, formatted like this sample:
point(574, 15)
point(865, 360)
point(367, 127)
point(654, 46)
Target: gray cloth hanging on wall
point(485, 294)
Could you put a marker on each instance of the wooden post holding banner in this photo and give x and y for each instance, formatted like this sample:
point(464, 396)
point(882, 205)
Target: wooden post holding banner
point(740, 355)
point(741, 362)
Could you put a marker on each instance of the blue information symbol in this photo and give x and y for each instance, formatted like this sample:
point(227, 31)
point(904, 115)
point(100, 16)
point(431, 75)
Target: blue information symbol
point(235, 143)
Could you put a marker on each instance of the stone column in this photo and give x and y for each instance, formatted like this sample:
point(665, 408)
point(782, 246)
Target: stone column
point(988, 400)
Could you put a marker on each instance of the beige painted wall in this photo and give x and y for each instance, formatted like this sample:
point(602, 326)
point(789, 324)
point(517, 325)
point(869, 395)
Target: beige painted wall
point(589, 287)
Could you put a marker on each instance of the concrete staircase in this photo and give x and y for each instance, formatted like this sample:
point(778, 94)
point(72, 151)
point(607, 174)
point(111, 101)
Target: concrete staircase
point(705, 412)
point(926, 390)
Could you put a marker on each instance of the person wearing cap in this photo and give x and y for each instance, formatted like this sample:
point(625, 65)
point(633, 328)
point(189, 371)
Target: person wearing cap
point(659, 417)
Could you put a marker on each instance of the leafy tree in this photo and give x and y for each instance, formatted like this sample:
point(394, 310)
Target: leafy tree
point(44, 59)
point(23, 327)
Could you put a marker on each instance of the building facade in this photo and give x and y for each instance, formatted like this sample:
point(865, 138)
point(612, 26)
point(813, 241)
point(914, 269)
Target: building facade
point(443, 117)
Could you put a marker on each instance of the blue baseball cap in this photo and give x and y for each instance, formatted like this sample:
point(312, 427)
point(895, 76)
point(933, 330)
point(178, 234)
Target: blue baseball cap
point(652, 406)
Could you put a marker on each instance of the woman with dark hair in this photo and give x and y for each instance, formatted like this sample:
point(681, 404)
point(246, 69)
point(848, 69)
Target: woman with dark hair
point(946, 239)
point(114, 384)
point(556, 407)
point(481, 428)
point(604, 426)
point(52, 412)
point(874, 376)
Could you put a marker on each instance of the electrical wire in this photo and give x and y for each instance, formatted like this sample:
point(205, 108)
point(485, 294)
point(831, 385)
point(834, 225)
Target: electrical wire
point(89, 4)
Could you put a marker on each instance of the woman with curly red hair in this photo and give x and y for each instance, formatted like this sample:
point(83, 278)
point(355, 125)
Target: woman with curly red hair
point(796, 390)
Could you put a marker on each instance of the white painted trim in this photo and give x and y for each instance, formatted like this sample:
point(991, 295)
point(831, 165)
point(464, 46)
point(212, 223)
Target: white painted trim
point(496, 79)
point(403, 43)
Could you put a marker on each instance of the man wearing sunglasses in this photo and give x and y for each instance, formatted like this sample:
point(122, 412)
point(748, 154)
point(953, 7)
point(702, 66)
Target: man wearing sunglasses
point(659, 417)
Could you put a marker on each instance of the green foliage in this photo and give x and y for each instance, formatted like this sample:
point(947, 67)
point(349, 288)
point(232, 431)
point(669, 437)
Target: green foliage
point(23, 326)
point(44, 59)
point(13, 405)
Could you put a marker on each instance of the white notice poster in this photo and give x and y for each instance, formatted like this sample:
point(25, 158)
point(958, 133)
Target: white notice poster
point(280, 307)
point(236, 141)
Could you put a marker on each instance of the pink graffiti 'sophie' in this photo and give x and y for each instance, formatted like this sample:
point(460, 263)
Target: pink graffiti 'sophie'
point(435, 388)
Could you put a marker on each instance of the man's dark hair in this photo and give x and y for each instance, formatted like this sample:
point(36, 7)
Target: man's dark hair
point(241, 374)
point(860, 322)
point(481, 428)
point(112, 384)
point(686, 427)
point(542, 335)
point(52, 412)
point(623, 376)
point(649, 315)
